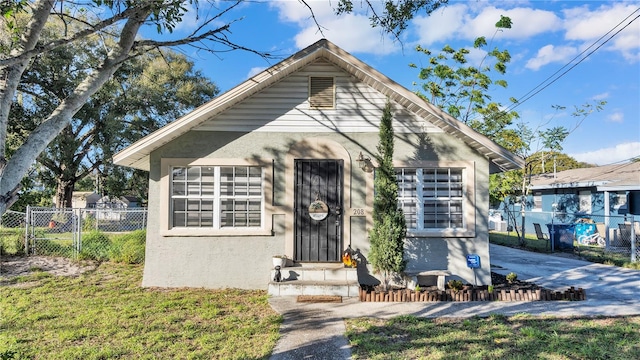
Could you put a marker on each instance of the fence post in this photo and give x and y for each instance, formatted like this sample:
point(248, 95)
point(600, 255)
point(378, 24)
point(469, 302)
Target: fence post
point(78, 233)
point(633, 239)
point(27, 221)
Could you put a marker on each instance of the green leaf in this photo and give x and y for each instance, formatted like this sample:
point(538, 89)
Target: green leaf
point(504, 22)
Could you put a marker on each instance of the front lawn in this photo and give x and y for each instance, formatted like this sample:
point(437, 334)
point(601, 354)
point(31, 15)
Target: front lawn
point(495, 337)
point(105, 314)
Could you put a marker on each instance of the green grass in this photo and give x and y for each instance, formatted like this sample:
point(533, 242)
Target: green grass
point(495, 337)
point(105, 314)
point(511, 240)
point(598, 255)
point(594, 254)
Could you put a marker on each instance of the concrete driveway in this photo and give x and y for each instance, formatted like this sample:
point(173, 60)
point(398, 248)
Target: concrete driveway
point(603, 283)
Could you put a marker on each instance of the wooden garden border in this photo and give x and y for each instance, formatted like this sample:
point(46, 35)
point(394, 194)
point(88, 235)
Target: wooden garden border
point(406, 295)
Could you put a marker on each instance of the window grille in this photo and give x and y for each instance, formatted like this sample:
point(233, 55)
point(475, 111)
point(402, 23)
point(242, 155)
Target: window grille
point(431, 198)
point(216, 196)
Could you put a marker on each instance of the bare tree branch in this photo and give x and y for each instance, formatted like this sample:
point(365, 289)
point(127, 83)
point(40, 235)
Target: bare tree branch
point(313, 16)
point(79, 35)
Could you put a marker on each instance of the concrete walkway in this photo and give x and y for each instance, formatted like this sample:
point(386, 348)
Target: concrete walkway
point(316, 330)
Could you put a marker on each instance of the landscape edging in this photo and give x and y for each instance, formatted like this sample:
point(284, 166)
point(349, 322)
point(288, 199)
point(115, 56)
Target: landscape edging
point(406, 295)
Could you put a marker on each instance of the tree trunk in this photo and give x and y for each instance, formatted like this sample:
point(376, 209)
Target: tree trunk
point(64, 193)
point(523, 206)
point(39, 139)
point(9, 80)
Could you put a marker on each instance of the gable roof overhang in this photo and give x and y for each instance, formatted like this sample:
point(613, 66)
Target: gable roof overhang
point(619, 188)
point(616, 177)
point(137, 155)
point(572, 185)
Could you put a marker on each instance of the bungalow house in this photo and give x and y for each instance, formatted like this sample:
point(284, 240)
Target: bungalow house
point(598, 190)
point(284, 164)
point(600, 193)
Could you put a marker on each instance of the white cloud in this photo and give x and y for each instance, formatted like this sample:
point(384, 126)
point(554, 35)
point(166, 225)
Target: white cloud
point(526, 23)
point(477, 56)
point(584, 25)
point(620, 152)
point(462, 21)
point(616, 117)
point(602, 96)
point(466, 21)
point(254, 71)
point(441, 25)
point(550, 54)
point(352, 32)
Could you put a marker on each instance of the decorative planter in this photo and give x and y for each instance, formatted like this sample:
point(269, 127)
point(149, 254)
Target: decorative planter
point(404, 295)
point(279, 261)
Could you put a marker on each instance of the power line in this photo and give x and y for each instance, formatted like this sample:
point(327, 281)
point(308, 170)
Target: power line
point(531, 93)
point(527, 96)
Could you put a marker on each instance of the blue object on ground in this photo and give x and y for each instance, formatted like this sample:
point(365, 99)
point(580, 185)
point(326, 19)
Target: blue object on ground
point(561, 236)
point(585, 229)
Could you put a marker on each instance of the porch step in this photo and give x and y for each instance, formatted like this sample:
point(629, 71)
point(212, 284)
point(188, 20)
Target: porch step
point(308, 280)
point(298, 287)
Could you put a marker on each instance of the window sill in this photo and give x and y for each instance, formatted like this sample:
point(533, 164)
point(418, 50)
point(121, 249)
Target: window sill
point(200, 232)
point(441, 233)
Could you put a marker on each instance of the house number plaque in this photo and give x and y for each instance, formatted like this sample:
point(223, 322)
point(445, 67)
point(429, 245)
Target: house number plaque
point(318, 210)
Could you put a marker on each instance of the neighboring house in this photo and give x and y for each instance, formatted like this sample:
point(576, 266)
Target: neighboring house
point(92, 200)
point(598, 190)
point(599, 193)
point(82, 199)
point(122, 202)
point(283, 164)
point(108, 208)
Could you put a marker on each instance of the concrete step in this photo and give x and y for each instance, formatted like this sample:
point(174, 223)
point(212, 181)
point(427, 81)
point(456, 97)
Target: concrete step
point(299, 287)
point(318, 273)
point(315, 280)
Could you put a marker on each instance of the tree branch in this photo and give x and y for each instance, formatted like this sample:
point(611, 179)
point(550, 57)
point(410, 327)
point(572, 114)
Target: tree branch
point(28, 54)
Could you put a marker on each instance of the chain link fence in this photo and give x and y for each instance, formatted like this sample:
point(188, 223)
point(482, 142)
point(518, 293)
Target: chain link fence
point(12, 233)
point(616, 234)
point(98, 234)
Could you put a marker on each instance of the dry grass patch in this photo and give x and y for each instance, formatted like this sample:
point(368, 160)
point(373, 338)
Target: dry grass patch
point(104, 313)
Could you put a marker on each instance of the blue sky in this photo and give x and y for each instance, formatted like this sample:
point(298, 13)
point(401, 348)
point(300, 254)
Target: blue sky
point(547, 38)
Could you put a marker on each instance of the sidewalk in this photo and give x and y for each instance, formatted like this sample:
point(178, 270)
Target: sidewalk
point(316, 330)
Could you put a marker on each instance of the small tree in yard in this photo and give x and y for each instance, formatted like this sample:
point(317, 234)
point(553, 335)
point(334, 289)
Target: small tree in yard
point(389, 225)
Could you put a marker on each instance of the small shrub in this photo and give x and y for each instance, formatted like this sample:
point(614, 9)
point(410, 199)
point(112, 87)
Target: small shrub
point(12, 241)
point(512, 277)
point(49, 247)
point(89, 223)
point(95, 246)
point(129, 248)
point(7, 355)
point(490, 288)
point(455, 285)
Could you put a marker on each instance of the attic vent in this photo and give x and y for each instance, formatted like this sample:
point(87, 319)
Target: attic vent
point(321, 92)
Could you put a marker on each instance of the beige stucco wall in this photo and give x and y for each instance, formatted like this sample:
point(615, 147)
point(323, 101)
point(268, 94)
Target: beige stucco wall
point(245, 261)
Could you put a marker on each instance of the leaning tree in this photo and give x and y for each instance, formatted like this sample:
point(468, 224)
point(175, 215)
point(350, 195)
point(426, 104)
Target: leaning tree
point(21, 41)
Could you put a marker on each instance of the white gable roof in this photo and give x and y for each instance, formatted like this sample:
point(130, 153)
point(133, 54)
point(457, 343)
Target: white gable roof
point(137, 155)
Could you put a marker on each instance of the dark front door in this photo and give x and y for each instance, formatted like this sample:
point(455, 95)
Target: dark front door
point(318, 210)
